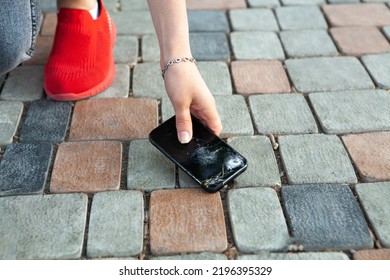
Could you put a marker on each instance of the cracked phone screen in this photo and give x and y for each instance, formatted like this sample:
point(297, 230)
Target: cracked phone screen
point(207, 159)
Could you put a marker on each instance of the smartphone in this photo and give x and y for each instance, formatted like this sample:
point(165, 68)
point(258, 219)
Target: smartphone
point(207, 158)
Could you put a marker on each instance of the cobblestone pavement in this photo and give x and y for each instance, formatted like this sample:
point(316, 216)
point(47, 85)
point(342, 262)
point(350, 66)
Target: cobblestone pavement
point(302, 87)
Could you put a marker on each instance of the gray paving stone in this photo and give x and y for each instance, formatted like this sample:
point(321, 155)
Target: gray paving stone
point(166, 109)
point(200, 256)
point(120, 87)
point(315, 158)
point(325, 217)
point(210, 46)
point(257, 220)
point(42, 227)
point(217, 77)
point(295, 256)
point(256, 45)
point(46, 120)
point(24, 168)
point(328, 74)
point(132, 5)
point(24, 84)
point(116, 224)
point(282, 114)
point(302, 2)
point(234, 115)
point(300, 17)
point(306, 43)
point(126, 49)
point(10, 115)
point(48, 5)
point(263, 3)
point(386, 31)
point(378, 66)
point(375, 199)
point(147, 81)
point(342, 1)
point(208, 21)
point(262, 167)
point(150, 48)
point(133, 23)
point(352, 111)
point(253, 19)
point(148, 169)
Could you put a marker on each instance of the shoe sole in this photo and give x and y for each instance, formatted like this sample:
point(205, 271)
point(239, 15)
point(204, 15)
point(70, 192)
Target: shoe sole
point(96, 89)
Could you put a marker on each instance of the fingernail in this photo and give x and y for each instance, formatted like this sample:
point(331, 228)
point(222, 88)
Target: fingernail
point(184, 137)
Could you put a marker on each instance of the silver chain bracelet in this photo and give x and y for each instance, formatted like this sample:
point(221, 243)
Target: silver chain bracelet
point(176, 60)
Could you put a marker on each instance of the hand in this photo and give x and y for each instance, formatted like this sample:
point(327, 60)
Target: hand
point(189, 94)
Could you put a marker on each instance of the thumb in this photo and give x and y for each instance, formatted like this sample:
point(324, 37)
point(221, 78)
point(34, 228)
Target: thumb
point(184, 126)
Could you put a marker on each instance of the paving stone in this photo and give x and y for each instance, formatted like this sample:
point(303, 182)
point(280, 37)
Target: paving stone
point(257, 220)
point(375, 199)
point(150, 48)
point(265, 76)
point(48, 5)
point(42, 51)
point(262, 169)
point(328, 74)
point(264, 3)
point(24, 84)
point(10, 115)
point(46, 120)
point(282, 114)
point(210, 46)
point(89, 166)
point(133, 23)
point(148, 169)
point(216, 75)
point(113, 118)
point(24, 168)
point(126, 49)
point(190, 220)
point(300, 17)
point(370, 153)
point(352, 111)
point(306, 43)
point(234, 115)
point(386, 31)
point(42, 227)
point(215, 5)
point(359, 40)
point(131, 5)
point(208, 21)
point(315, 158)
point(325, 217)
point(256, 45)
point(2, 78)
point(378, 65)
point(200, 256)
point(302, 2)
point(147, 81)
point(49, 24)
point(116, 224)
point(166, 109)
point(378, 254)
point(342, 1)
point(372, 14)
point(253, 19)
point(295, 256)
point(120, 87)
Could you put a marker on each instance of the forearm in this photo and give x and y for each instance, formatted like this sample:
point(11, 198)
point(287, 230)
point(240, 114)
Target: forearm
point(171, 25)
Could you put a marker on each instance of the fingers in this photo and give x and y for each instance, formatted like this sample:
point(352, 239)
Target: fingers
point(184, 126)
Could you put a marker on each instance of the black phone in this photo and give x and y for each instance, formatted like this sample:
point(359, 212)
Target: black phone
point(207, 158)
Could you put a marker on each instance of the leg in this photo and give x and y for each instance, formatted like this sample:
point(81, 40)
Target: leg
point(17, 36)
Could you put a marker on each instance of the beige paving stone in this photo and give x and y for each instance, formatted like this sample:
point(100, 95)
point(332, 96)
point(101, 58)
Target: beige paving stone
point(49, 24)
point(215, 5)
point(359, 40)
point(378, 254)
point(186, 220)
point(88, 167)
point(371, 14)
point(370, 153)
point(42, 50)
point(251, 77)
point(113, 118)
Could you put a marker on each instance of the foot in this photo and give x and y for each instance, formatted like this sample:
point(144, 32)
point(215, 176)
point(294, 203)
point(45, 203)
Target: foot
point(81, 63)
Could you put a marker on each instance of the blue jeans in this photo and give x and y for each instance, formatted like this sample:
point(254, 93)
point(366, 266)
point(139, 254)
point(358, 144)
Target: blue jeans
point(19, 26)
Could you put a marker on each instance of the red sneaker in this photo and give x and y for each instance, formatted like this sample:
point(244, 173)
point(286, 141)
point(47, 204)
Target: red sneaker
point(81, 62)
